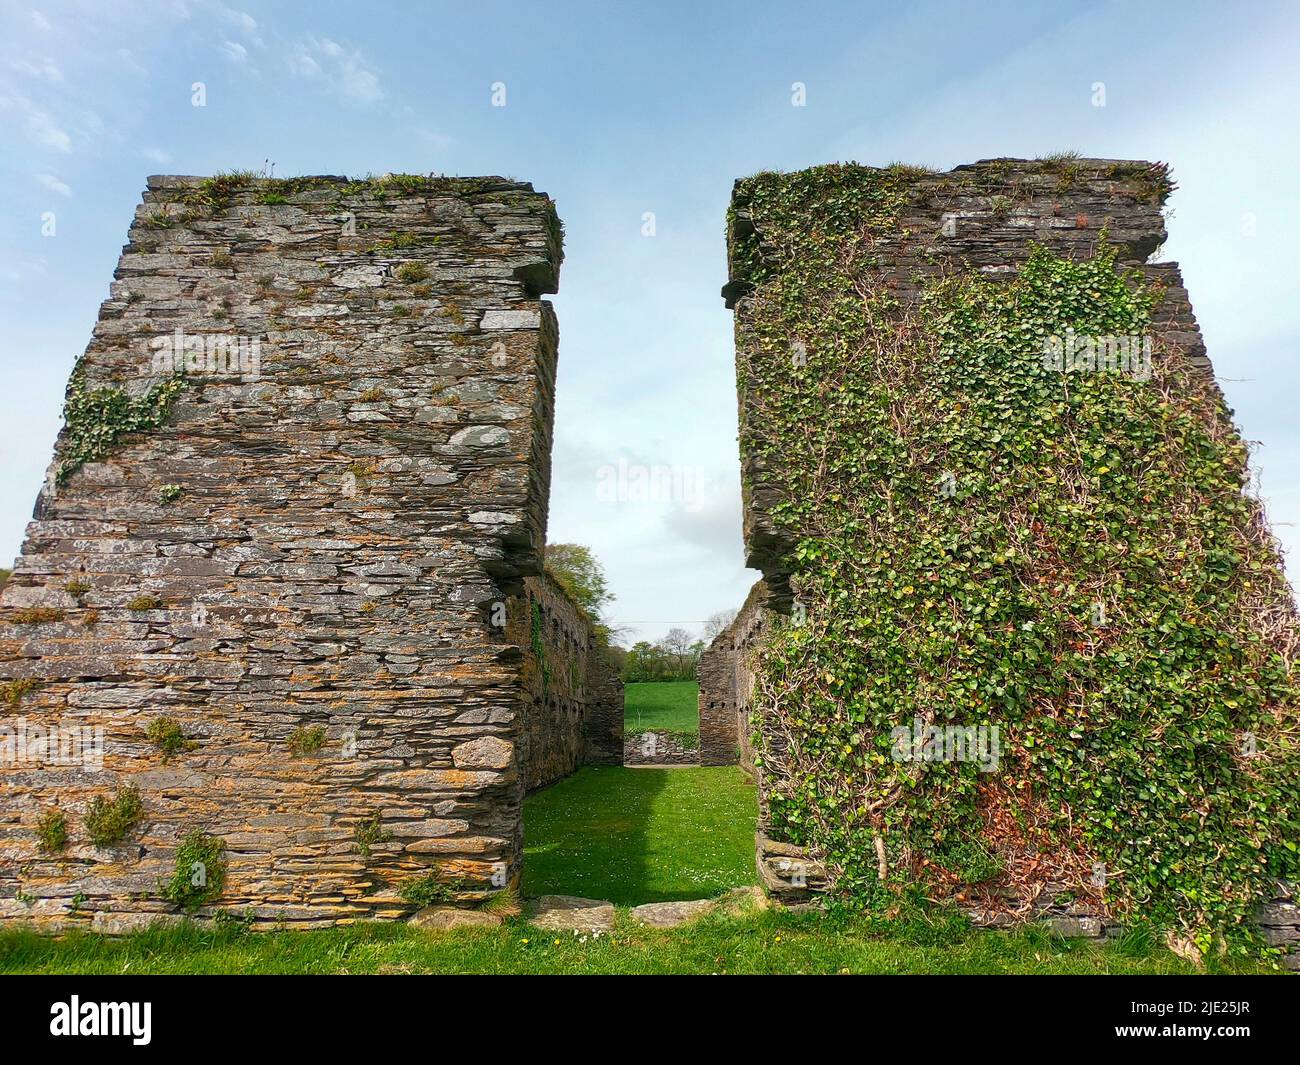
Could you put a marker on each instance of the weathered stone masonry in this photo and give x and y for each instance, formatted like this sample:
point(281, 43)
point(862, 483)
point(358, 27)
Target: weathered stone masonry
point(346, 535)
point(983, 216)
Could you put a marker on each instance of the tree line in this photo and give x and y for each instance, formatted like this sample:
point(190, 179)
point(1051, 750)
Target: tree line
point(674, 656)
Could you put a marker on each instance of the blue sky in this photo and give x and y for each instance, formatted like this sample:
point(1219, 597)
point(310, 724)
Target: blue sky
point(624, 110)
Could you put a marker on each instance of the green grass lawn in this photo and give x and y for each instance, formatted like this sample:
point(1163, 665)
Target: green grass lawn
point(662, 706)
point(630, 836)
point(770, 942)
point(641, 835)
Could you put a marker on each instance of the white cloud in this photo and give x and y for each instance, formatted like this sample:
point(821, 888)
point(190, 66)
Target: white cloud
point(23, 268)
point(234, 51)
point(40, 21)
point(432, 137)
point(157, 155)
point(241, 22)
point(54, 184)
point(129, 61)
point(40, 126)
point(345, 68)
point(45, 69)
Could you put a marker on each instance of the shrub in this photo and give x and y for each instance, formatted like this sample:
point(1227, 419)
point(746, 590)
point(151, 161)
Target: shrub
point(109, 821)
point(142, 603)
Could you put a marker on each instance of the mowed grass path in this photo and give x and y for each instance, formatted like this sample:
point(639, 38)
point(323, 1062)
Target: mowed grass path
point(662, 706)
point(641, 835)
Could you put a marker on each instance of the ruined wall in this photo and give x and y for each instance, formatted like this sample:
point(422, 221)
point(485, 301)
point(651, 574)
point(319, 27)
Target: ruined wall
point(726, 679)
point(276, 580)
point(986, 217)
point(571, 689)
point(983, 219)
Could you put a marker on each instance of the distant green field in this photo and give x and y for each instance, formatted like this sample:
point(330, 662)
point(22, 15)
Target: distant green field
point(662, 706)
point(641, 835)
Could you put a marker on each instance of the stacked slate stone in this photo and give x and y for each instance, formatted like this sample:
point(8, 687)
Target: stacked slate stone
point(301, 487)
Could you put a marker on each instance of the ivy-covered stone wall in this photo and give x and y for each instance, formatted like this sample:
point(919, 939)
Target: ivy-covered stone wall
point(301, 490)
point(1030, 646)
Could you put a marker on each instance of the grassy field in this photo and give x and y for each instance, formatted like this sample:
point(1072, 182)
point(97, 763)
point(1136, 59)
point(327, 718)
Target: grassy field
point(766, 942)
point(662, 706)
point(641, 835)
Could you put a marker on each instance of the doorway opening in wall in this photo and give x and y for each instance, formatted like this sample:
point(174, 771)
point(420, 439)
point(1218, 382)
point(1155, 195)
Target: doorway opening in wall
point(660, 828)
point(619, 807)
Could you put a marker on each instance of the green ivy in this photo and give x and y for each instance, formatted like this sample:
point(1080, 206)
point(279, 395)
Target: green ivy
point(1125, 743)
point(96, 418)
point(538, 645)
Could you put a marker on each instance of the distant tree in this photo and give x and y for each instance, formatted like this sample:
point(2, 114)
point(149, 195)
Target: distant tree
point(645, 661)
point(618, 658)
point(677, 645)
point(716, 623)
point(580, 573)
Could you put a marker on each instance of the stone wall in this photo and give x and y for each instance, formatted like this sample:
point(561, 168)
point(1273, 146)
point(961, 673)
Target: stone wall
point(304, 568)
point(986, 217)
point(726, 680)
point(570, 687)
point(659, 748)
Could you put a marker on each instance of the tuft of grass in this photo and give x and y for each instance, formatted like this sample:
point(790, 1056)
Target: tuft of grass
point(504, 903)
point(1060, 158)
point(169, 493)
point(142, 603)
point(36, 615)
point(412, 272)
point(109, 821)
point(13, 692)
point(77, 589)
point(305, 740)
point(200, 872)
point(52, 831)
point(166, 734)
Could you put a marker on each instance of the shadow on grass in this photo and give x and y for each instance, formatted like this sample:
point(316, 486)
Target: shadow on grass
point(640, 835)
